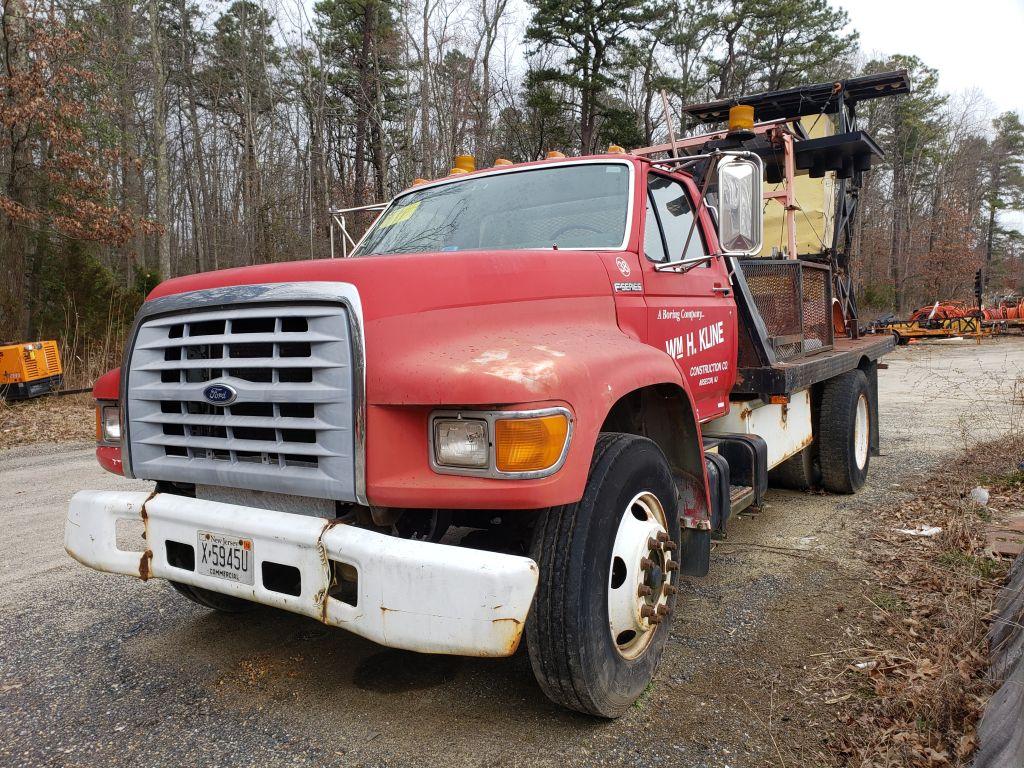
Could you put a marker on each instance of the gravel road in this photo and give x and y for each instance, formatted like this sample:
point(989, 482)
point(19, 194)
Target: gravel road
point(105, 670)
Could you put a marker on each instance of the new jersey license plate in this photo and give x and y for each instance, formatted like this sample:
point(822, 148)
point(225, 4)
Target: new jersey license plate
point(225, 557)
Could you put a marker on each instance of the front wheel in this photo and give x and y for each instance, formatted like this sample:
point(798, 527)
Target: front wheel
point(608, 573)
point(214, 600)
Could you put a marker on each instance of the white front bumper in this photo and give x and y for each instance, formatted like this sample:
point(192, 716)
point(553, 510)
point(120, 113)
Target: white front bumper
point(415, 595)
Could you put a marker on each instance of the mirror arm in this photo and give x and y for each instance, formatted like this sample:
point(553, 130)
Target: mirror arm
point(684, 265)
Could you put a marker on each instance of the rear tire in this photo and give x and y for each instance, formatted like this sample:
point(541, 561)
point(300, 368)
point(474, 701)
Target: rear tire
point(594, 636)
point(845, 432)
point(213, 600)
point(799, 472)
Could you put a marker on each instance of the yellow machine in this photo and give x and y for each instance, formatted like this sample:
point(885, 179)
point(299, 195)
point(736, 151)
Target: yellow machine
point(29, 369)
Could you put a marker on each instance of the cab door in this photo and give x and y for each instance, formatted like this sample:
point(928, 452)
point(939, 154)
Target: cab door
point(691, 314)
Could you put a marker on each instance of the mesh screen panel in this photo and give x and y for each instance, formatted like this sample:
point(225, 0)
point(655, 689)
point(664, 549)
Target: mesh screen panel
point(794, 299)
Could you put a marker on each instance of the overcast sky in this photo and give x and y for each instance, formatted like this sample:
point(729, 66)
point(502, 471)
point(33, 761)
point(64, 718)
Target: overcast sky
point(976, 44)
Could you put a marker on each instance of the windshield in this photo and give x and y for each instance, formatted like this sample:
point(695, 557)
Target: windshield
point(583, 205)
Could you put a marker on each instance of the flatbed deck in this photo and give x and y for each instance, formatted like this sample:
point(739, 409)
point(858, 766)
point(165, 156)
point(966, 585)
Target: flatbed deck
point(791, 376)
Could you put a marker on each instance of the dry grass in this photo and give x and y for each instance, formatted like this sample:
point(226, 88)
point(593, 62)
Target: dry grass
point(47, 419)
point(910, 687)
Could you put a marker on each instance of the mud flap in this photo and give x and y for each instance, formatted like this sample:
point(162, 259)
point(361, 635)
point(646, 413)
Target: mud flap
point(695, 552)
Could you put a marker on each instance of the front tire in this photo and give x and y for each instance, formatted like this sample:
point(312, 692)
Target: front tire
point(845, 432)
point(608, 575)
point(213, 600)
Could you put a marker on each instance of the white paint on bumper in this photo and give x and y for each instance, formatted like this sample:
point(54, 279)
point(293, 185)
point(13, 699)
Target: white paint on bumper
point(420, 596)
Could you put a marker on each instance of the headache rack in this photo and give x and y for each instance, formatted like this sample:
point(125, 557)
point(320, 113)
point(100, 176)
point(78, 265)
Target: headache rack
point(793, 300)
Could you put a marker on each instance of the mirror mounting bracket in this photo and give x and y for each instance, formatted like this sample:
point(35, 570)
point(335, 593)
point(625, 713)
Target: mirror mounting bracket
point(684, 265)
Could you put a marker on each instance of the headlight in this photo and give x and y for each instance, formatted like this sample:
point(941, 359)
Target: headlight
point(108, 424)
point(461, 443)
point(501, 444)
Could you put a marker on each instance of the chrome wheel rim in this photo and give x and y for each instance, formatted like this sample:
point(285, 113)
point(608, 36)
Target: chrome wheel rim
point(861, 432)
point(641, 575)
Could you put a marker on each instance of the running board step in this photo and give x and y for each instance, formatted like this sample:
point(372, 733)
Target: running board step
point(740, 497)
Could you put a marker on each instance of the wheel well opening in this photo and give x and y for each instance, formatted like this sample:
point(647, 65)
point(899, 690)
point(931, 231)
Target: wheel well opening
point(662, 413)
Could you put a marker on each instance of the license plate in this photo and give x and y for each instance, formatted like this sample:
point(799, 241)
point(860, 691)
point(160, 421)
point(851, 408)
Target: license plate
point(225, 557)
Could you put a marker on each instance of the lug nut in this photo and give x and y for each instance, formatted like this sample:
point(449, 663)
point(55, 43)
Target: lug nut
point(643, 590)
point(662, 536)
point(655, 619)
point(670, 546)
point(662, 610)
point(646, 564)
point(669, 589)
point(671, 565)
point(653, 544)
point(647, 612)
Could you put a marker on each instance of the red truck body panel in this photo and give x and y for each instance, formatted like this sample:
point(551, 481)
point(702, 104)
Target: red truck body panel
point(513, 329)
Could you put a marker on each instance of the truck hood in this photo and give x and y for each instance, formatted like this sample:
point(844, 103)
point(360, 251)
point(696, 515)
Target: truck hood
point(409, 284)
point(463, 327)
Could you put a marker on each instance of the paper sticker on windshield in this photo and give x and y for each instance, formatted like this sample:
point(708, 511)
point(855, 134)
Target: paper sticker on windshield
point(399, 215)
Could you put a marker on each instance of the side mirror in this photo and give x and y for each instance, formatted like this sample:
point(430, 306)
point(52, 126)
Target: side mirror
point(740, 216)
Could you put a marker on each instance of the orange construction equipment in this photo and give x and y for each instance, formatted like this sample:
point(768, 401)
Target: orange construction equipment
point(29, 369)
point(942, 310)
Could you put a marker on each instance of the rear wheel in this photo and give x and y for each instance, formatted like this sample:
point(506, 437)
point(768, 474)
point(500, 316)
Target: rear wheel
point(799, 472)
point(845, 432)
point(608, 574)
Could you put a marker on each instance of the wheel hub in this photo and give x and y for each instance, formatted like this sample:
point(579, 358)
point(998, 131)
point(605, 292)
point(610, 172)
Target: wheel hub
point(642, 567)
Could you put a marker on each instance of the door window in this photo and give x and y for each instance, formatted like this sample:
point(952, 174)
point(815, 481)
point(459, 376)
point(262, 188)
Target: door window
point(672, 206)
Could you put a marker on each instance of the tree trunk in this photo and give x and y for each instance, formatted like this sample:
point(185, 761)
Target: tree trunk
point(15, 307)
point(161, 182)
point(426, 141)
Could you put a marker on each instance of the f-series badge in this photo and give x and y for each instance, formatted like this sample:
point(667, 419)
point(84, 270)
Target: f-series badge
point(629, 287)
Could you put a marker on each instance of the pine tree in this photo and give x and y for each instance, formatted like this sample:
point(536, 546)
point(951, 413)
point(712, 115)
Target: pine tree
point(591, 34)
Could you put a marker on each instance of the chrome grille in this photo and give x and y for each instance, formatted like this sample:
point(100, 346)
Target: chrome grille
point(290, 428)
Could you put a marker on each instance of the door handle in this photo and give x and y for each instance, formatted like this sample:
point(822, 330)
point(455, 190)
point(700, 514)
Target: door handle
point(722, 290)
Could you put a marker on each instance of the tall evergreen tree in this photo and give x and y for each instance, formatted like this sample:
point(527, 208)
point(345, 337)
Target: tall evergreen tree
point(591, 34)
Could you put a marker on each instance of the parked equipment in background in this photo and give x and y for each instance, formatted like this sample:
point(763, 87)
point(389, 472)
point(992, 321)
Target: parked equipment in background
point(29, 369)
point(948, 319)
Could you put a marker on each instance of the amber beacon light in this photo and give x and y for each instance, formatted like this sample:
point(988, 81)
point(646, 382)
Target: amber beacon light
point(741, 119)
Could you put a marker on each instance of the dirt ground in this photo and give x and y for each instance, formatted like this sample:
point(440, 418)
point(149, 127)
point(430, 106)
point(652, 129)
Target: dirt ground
point(100, 669)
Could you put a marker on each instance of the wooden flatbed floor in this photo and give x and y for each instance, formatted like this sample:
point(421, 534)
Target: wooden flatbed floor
point(800, 373)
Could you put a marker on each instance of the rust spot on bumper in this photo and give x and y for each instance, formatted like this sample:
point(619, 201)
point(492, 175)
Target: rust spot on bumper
point(146, 561)
point(145, 571)
point(514, 636)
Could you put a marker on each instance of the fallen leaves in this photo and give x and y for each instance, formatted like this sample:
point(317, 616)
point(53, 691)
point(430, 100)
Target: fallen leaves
point(911, 688)
point(47, 419)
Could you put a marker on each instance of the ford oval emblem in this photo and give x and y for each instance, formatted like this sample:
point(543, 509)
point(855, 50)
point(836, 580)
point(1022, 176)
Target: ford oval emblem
point(220, 394)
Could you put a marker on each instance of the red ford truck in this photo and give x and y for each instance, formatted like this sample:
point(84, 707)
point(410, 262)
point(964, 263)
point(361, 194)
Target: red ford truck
point(521, 407)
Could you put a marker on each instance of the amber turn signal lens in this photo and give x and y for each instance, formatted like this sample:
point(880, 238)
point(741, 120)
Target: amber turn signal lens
point(531, 444)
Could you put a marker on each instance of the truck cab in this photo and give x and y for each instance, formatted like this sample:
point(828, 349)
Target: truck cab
point(520, 407)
